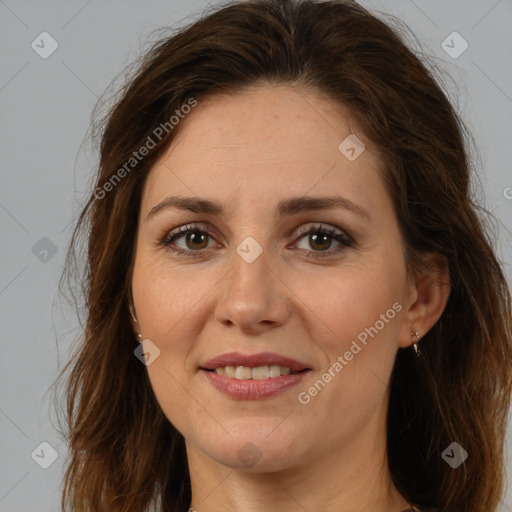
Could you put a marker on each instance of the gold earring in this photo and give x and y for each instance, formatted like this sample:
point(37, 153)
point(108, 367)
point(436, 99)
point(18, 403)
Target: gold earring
point(139, 336)
point(415, 344)
point(132, 313)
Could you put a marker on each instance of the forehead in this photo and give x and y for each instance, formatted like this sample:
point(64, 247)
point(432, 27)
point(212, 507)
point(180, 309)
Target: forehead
point(275, 118)
point(264, 142)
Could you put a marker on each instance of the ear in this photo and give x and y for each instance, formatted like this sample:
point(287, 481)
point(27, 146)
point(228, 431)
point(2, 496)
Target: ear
point(428, 293)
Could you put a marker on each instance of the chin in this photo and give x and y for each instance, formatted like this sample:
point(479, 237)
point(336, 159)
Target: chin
point(253, 460)
point(255, 451)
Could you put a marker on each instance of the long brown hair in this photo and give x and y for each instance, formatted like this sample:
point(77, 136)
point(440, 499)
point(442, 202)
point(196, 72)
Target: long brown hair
point(124, 453)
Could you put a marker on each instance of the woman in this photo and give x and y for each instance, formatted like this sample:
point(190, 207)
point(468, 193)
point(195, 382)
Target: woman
point(292, 300)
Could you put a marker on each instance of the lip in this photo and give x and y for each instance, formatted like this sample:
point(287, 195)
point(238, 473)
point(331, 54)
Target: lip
point(253, 360)
point(253, 389)
point(249, 389)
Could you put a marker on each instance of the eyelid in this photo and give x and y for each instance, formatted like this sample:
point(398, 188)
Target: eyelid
point(323, 227)
point(334, 232)
point(181, 230)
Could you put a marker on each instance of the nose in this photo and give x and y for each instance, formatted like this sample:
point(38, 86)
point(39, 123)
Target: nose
point(253, 297)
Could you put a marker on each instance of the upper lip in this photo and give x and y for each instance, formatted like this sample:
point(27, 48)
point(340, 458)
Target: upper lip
point(253, 360)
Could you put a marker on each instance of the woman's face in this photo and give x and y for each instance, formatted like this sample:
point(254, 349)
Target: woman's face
point(265, 280)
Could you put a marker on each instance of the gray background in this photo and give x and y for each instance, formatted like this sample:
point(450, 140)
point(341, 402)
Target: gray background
point(46, 170)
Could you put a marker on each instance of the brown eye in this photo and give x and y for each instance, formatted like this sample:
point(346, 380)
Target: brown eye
point(322, 241)
point(195, 240)
point(320, 238)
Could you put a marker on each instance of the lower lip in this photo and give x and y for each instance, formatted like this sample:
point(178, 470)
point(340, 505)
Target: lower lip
point(253, 389)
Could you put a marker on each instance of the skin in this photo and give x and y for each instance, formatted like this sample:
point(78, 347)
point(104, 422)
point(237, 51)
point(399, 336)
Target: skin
point(250, 151)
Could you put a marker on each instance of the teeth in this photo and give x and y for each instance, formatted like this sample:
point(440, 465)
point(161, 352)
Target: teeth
point(242, 372)
point(260, 372)
point(274, 370)
point(257, 373)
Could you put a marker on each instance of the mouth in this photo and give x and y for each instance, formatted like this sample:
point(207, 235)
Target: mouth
point(254, 373)
point(255, 376)
point(260, 366)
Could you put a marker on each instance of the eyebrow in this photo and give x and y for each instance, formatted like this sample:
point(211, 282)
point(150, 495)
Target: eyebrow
point(285, 207)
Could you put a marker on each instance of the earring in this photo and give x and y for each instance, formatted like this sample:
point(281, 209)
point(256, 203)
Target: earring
point(132, 314)
point(139, 336)
point(415, 344)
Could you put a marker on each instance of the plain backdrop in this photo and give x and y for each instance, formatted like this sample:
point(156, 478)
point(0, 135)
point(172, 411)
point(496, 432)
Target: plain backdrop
point(46, 100)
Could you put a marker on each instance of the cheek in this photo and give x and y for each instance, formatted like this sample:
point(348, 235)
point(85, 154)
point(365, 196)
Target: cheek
point(167, 306)
point(360, 311)
point(358, 333)
point(349, 302)
point(167, 296)
point(164, 300)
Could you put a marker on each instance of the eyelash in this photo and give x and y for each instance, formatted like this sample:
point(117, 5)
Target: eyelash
point(337, 235)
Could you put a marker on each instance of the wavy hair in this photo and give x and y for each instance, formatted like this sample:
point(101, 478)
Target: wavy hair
point(124, 453)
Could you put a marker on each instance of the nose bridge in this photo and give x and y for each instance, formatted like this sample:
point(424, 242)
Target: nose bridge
point(251, 294)
point(249, 264)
